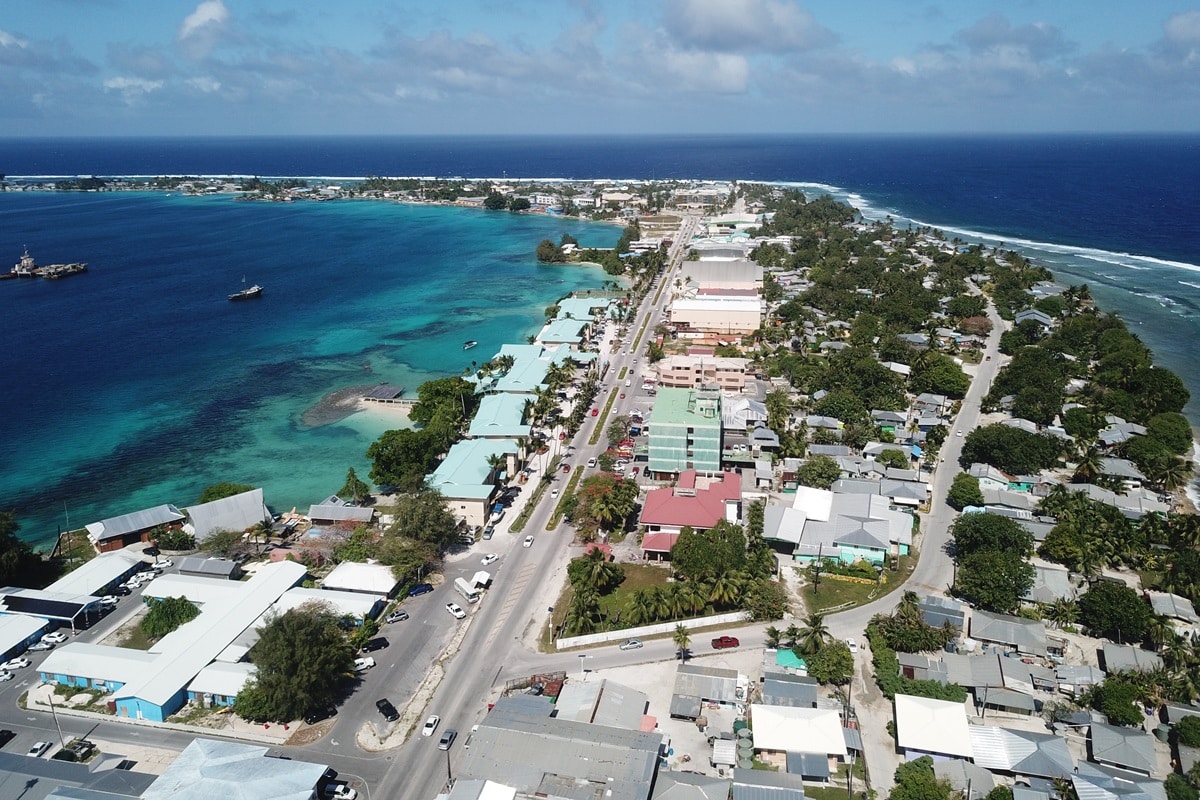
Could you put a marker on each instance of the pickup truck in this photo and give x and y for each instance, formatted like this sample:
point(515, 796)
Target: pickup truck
point(722, 642)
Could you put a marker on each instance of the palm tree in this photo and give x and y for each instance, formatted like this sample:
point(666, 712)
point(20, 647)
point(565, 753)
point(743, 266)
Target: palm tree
point(1062, 612)
point(814, 635)
point(682, 638)
point(692, 597)
point(792, 634)
point(583, 614)
point(641, 607)
point(661, 602)
point(725, 590)
point(773, 635)
point(1089, 466)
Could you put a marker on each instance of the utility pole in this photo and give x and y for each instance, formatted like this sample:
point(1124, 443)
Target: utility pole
point(62, 741)
point(449, 775)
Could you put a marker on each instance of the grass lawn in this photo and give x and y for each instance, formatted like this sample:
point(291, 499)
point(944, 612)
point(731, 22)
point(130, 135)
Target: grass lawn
point(637, 576)
point(833, 593)
point(136, 639)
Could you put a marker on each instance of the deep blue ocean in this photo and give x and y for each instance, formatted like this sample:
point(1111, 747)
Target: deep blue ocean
point(139, 383)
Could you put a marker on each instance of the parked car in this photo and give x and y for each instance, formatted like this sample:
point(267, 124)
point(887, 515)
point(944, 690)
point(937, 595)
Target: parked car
point(420, 589)
point(528, 542)
point(399, 615)
point(164, 563)
point(363, 664)
point(853, 645)
point(122, 591)
point(631, 644)
point(591, 463)
point(16, 663)
point(378, 643)
point(5, 675)
point(151, 551)
point(38, 750)
point(40, 646)
point(313, 717)
point(109, 600)
point(57, 637)
point(6, 736)
point(488, 531)
point(430, 725)
point(447, 739)
point(456, 610)
point(387, 709)
point(339, 790)
point(595, 412)
point(490, 558)
point(723, 642)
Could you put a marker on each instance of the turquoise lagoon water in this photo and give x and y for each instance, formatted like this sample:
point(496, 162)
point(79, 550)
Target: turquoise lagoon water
point(139, 383)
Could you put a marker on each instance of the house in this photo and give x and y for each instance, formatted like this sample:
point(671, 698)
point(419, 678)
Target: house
point(1122, 657)
point(1050, 583)
point(935, 728)
point(737, 274)
point(467, 481)
point(18, 631)
point(757, 784)
point(1124, 748)
point(334, 510)
point(685, 432)
point(207, 769)
point(1032, 314)
point(99, 576)
point(848, 527)
point(779, 730)
point(1020, 752)
point(237, 512)
point(781, 689)
point(1179, 610)
point(739, 413)
point(501, 416)
point(989, 477)
point(117, 532)
point(696, 685)
point(1025, 636)
point(718, 314)
point(695, 501)
point(604, 702)
point(219, 568)
point(369, 578)
point(937, 611)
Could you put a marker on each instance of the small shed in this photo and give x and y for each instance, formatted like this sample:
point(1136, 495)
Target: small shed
point(218, 568)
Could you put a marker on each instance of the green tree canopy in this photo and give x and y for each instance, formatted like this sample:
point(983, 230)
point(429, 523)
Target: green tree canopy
point(549, 253)
point(721, 550)
point(915, 780)
point(893, 458)
point(964, 491)
point(1115, 611)
point(422, 516)
point(939, 374)
point(219, 491)
point(19, 564)
point(495, 202)
point(1173, 430)
point(166, 615)
point(1116, 698)
point(300, 659)
point(833, 663)
point(819, 472)
point(403, 457)
point(975, 532)
point(354, 488)
point(1011, 449)
point(994, 580)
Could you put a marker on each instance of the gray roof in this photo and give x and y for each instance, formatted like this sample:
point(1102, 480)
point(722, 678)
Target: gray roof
point(340, 513)
point(753, 784)
point(39, 778)
point(1130, 748)
point(602, 702)
point(1177, 711)
point(1096, 782)
point(706, 683)
point(538, 754)
point(235, 513)
point(1118, 657)
point(794, 694)
point(937, 611)
point(961, 774)
point(1050, 582)
point(689, 786)
point(1010, 699)
point(1019, 752)
point(233, 771)
point(1026, 635)
point(208, 567)
point(810, 766)
point(131, 523)
point(1172, 605)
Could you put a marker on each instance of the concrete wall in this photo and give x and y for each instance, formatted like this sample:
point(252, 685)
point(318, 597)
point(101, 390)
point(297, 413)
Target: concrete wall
point(651, 630)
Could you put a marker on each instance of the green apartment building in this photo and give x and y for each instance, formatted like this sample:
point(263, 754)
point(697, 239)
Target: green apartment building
point(685, 431)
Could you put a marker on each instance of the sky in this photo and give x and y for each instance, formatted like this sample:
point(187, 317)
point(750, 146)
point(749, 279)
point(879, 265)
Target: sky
point(271, 67)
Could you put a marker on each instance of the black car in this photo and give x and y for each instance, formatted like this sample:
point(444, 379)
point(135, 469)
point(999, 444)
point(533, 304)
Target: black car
point(387, 709)
point(378, 643)
point(151, 551)
point(320, 714)
point(122, 591)
point(6, 736)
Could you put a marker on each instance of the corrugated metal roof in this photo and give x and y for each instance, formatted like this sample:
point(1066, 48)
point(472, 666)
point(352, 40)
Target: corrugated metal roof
point(208, 769)
point(234, 513)
point(707, 683)
point(136, 521)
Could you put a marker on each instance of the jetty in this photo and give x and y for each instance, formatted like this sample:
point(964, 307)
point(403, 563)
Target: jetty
point(387, 394)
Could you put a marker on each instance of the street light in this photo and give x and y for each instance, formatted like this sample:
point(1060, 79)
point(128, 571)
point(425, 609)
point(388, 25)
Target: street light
point(582, 674)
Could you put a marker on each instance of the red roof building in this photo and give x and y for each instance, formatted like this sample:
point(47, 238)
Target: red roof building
point(696, 502)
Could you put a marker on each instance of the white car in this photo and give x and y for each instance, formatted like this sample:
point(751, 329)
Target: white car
point(430, 725)
point(164, 563)
point(456, 610)
point(363, 664)
point(58, 637)
point(853, 645)
point(553, 493)
point(340, 791)
point(5, 675)
point(38, 750)
point(631, 644)
point(528, 542)
point(109, 600)
point(36, 646)
point(16, 663)
point(490, 558)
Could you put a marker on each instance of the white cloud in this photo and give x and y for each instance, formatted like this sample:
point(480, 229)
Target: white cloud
point(1183, 28)
point(8, 40)
point(131, 89)
point(743, 26)
point(200, 30)
point(204, 83)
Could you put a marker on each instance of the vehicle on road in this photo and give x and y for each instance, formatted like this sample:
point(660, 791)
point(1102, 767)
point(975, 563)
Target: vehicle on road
point(430, 725)
point(566, 469)
point(447, 739)
point(313, 717)
point(57, 637)
point(488, 531)
point(724, 642)
point(40, 646)
point(38, 750)
point(399, 615)
point(456, 610)
point(595, 412)
point(591, 463)
point(631, 644)
point(109, 600)
point(122, 591)
point(387, 709)
point(164, 563)
point(363, 664)
point(5, 675)
point(528, 542)
point(16, 663)
point(853, 645)
point(338, 790)
point(554, 493)
point(958, 433)
point(378, 643)
point(490, 558)
point(420, 589)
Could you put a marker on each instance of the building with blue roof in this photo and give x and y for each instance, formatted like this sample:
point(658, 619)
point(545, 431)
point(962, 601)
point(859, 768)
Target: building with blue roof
point(564, 331)
point(501, 416)
point(466, 481)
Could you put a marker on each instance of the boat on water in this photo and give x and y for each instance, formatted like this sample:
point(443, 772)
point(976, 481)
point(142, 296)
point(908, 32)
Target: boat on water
point(28, 268)
point(247, 292)
point(467, 345)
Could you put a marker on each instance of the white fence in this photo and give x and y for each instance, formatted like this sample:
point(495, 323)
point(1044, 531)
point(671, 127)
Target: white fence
point(651, 630)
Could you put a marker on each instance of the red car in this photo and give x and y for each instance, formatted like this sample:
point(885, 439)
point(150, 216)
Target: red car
point(595, 412)
point(566, 467)
point(722, 642)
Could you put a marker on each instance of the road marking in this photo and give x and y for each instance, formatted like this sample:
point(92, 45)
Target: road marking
point(515, 593)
